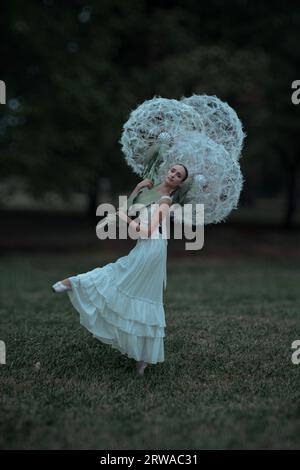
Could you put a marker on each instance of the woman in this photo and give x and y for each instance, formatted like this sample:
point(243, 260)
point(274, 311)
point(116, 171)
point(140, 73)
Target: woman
point(121, 303)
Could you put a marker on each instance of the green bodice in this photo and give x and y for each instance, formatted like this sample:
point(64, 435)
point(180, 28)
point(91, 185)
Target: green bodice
point(145, 196)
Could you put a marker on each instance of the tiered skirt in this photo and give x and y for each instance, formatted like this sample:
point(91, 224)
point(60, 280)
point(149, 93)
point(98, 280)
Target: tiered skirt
point(121, 303)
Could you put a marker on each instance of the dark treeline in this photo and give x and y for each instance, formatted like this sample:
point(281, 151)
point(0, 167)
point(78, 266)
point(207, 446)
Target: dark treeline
point(75, 69)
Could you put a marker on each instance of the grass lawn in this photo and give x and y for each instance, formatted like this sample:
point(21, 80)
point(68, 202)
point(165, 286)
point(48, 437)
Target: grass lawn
point(227, 381)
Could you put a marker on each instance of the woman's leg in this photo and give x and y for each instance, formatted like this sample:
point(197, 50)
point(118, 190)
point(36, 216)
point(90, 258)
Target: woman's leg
point(141, 366)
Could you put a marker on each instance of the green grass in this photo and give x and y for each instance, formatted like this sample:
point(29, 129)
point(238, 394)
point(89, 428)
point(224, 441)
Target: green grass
point(227, 381)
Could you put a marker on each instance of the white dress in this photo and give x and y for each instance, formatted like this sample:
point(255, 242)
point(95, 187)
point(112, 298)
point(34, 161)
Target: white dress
point(121, 303)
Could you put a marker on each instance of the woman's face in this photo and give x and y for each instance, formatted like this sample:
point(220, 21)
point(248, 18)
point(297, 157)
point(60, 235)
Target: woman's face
point(175, 175)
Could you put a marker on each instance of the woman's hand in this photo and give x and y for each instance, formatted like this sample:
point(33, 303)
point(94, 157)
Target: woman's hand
point(144, 184)
point(134, 224)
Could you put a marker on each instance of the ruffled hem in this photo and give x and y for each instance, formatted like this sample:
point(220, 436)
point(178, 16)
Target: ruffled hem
point(102, 292)
point(132, 325)
point(139, 348)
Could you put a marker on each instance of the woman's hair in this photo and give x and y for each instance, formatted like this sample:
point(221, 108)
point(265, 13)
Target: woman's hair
point(186, 171)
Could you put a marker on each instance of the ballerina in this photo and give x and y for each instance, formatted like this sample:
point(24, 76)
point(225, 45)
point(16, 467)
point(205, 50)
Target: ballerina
point(166, 141)
point(121, 303)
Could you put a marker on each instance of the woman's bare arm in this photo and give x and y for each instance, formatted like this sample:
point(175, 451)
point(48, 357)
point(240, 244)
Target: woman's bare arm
point(135, 191)
point(135, 225)
point(142, 184)
point(159, 214)
point(163, 207)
